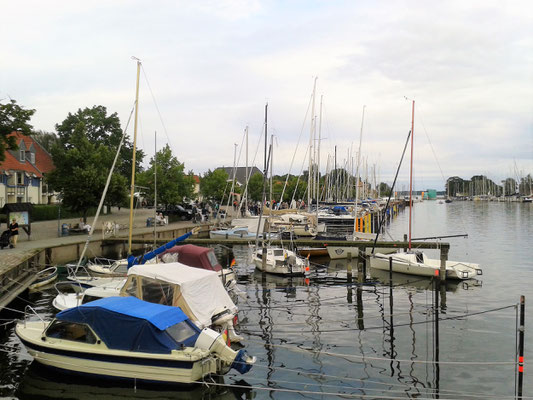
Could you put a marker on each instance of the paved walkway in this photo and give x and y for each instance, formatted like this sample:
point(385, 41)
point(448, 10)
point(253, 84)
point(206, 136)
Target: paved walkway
point(45, 233)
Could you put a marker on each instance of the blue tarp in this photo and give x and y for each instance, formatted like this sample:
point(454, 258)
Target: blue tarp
point(127, 323)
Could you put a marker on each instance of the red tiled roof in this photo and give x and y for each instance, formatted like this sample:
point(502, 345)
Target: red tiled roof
point(43, 160)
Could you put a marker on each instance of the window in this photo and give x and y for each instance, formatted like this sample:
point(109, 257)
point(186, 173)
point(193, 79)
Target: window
point(130, 287)
point(212, 259)
point(158, 292)
point(71, 331)
point(22, 156)
point(20, 178)
point(32, 158)
point(181, 331)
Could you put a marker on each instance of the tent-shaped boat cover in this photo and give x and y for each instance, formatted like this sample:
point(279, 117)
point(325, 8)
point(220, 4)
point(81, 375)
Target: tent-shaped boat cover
point(202, 290)
point(127, 323)
point(196, 256)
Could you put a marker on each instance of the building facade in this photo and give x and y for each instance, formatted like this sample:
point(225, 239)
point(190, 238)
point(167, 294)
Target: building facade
point(22, 173)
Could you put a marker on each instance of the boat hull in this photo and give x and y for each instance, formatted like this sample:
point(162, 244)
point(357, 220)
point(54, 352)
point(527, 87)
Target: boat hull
point(85, 359)
point(407, 263)
point(339, 252)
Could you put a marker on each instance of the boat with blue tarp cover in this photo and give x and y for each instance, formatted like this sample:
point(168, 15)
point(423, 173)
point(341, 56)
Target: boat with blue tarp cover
point(125, 337)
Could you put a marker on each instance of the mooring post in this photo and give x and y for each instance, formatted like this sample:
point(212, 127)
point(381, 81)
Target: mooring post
point(521, 329)
point(349, 294)
point(443, 258)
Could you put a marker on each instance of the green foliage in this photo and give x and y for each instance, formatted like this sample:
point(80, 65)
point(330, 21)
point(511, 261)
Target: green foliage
point(46, 139)
point(12, 118)
point(99, 129)
point(81, 172)
point(213, 183)
point(384, 189)
point(47, 212)
point(173, 185)
point(255, 187)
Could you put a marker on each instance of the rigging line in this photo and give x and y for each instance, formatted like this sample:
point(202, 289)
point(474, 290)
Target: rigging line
point(297, 144)
point(419, 111)
point(401, 325)
point(335, 321)
point(365, 358)
point(395, 386)
point(157, 109)
point(321, 393)
point(390, 194)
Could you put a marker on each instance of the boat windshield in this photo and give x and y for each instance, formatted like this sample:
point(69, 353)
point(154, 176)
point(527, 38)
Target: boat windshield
point(181, 332)
point(70, 331)
point(212, 259)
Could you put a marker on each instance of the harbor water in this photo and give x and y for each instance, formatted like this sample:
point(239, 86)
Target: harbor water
point(329, 335)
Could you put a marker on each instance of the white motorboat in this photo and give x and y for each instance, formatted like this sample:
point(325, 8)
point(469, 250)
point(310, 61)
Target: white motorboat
point(71, 294)
point(198, 292)
point(281, 261)
point(340, 252)
point(417, 263)
point(44, 277)
point(124, 337)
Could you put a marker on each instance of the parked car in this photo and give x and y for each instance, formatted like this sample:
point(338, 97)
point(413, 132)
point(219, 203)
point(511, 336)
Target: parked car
point(179, 211)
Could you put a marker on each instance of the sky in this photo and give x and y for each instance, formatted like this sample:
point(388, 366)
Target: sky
point(209, 67)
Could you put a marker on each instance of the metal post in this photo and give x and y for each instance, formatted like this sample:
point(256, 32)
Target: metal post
point(521, 329)
point(443, 258)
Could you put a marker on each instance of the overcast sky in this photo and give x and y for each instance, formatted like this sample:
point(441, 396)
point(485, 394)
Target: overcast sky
point(212, 65)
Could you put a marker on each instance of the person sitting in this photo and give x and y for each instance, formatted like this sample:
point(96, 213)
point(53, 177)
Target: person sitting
point(83, 226)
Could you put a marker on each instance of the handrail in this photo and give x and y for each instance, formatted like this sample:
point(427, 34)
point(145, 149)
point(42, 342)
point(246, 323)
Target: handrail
point(28, 307)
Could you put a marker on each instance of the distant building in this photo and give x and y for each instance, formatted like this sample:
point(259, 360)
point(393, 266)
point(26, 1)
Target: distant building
point(430, 194)
point(22, 173)
point(240, 174)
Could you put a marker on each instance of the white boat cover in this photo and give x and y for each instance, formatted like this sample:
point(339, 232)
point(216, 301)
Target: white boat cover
point(201, 289)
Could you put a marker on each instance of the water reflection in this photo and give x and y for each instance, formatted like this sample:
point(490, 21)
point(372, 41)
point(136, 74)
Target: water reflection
point(338, 332)
point(43, 383)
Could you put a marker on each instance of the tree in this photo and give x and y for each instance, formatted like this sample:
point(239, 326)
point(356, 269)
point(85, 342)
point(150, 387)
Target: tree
point(81, 172)
point(255, 187)
point(173, 185)
point(46, 139)
point(213, 183)
point(384, 189)
point(12, 118)
point(100, 129)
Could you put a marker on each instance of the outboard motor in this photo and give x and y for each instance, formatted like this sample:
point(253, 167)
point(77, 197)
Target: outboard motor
point(214, 342)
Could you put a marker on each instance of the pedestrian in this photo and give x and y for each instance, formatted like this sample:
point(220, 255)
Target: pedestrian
point(14, 229)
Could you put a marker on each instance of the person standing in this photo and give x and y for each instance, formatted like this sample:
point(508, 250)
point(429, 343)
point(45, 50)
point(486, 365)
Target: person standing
point(14, 229)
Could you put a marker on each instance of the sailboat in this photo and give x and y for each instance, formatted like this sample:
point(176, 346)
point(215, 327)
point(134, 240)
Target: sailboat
point(416, 262)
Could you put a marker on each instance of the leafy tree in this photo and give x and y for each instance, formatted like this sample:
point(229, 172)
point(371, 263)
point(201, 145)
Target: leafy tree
point(45, 139)
point(213, 183)
point(81, 172)
point(100, 129)
point(12, 118)
point(255, 187)
point(173, 185)
point(384, 189)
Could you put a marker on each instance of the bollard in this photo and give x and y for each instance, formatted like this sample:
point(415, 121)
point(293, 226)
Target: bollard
point(443, 258)
point(521, 329)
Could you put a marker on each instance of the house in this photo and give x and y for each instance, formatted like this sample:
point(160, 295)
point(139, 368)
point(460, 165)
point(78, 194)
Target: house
point(22, 173)
point(240, 174)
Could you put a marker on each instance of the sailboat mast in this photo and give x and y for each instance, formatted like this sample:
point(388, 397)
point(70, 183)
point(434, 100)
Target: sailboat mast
point(357, 171)
point(318, 156)
point(246, 189)
point(311, 139)
point(411, 173)
point(155, 186)
point(132, 188)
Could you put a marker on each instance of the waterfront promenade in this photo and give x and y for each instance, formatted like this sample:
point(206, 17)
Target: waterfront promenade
point(44, 234)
